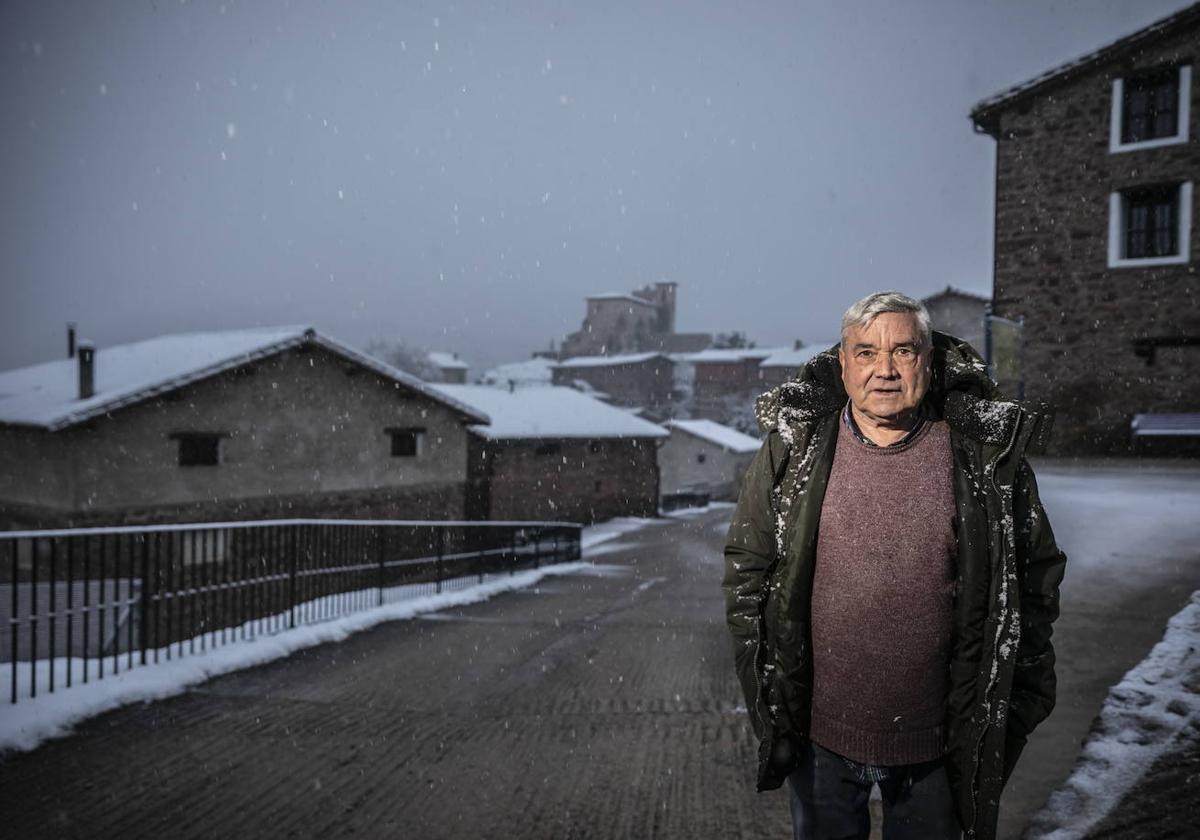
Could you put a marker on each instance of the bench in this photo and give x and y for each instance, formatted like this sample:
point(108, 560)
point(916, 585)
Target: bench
point(1165, 425)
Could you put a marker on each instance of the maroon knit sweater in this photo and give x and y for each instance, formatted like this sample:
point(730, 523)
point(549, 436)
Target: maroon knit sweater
point(883, 599)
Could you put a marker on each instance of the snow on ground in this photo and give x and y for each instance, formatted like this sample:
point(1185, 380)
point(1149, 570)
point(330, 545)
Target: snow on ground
point(31, 721)
point(1140, 720)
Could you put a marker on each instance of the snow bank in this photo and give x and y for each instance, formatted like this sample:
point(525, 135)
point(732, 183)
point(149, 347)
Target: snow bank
point(1140, 720)
point(30, 721)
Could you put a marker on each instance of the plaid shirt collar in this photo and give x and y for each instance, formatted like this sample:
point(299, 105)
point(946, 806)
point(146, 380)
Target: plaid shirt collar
point(848, 419)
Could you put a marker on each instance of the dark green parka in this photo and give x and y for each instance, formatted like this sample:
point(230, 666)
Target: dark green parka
point(1007, 576)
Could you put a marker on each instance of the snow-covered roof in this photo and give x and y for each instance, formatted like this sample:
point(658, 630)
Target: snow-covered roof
point(529, 372)
point(47, 394)
point(984, 114)
point(796, 358)
point(951, 291)
point(610, 361)
point(722, 436)
point(447, 361)
point(548, 412)
point(621, 296)
point(740, 354)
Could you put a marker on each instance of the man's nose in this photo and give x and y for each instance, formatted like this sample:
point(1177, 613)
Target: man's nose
point(885, 366)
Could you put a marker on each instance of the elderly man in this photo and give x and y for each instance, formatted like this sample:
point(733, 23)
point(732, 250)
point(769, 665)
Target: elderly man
point(891, 580)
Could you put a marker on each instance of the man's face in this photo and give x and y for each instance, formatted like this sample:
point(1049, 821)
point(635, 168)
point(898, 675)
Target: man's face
point(885, 368)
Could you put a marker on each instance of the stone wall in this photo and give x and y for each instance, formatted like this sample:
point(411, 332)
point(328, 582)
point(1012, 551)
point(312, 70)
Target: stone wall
point(563, 480)
point(301, 425)
point(1054, 176)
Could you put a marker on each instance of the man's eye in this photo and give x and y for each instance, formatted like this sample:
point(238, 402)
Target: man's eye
point(866, 354)
point(904, 352)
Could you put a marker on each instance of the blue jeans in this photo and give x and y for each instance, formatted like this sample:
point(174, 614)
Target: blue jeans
point(829, 800)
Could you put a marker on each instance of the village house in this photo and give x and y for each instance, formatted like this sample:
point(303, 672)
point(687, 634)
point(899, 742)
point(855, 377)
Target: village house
point(1096, 163)
point(555, 454)
point(634, 380)
point(705, 457)
point(726, 381)
point(783, 365)
point(961, 314)
point(451, 369)
point(234, 425)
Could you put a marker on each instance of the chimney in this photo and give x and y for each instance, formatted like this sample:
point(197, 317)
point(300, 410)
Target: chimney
point(87, 370)
point(70, 339)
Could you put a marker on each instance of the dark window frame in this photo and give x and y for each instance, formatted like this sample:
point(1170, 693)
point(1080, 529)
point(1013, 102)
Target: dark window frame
point(1150, 222)
point(406, 441)
point(198, 449)
point(1150, 105)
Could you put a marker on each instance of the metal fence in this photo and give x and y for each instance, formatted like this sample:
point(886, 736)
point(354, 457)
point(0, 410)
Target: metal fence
point(92, 601)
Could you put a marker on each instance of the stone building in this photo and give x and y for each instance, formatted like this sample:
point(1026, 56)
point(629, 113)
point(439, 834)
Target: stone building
point(1096, 163)
point(554, 454)
point(245, 424)
point(960, 314)
point(451, 369)
point(635, 380)
point(783, 365)
point(701, 455)
point(643, 320)
point(726, 382)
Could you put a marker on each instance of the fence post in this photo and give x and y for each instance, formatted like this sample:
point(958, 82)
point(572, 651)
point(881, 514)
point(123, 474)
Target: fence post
point(145, 634)
point(292, 579)
point(380, 552)
point(441, 551)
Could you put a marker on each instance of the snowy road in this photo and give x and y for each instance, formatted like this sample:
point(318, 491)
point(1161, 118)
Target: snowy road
point(1132, 538)
point(600, 705)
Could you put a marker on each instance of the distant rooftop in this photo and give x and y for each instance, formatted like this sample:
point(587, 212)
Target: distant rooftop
point(548, 412)
point(610, 361)
point(951, 291)
point(796, 358)
point(740, 354)
point(448, 361)
point(723, 436)
point(529, 372)
point(621, 296)
point(47, 395)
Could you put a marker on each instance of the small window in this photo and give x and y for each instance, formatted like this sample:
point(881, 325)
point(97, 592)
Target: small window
point(1150, 109)
point(1150, 225)
point(1150, 106)
point(548, 449)
point(199, 449)
point(594, 447)
point(701, 458)
point(406, 443)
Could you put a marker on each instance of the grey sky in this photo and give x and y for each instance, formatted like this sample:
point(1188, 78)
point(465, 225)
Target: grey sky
point(460, 175)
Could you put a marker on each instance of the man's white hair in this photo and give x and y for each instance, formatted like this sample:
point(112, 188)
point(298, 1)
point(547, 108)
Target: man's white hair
point(877, 303)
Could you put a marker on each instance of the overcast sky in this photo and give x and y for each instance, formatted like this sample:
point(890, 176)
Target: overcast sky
point(461, 175)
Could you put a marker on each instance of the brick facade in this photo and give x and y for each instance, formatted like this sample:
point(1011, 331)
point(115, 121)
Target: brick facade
point(1054, 177)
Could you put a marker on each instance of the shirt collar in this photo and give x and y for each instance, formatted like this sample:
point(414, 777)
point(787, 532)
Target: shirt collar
point(848, 419)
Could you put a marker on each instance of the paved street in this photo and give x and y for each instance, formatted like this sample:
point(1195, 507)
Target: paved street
point(595, 706)
point(599, 705)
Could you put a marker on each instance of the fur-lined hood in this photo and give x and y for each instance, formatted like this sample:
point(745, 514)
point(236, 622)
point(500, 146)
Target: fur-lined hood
point(960, 392)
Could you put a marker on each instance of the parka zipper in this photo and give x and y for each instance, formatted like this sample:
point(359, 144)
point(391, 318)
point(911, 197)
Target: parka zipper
point(992, 679)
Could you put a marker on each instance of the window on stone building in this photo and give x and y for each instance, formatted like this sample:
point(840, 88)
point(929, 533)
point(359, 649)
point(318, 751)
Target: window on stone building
point(548, 449)
point(199, 449)
point(1150, 225)
point(1151, 109)
point(701, 458)
point(406, 442)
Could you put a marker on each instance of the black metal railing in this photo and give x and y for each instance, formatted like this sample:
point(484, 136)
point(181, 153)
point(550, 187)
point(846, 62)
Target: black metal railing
point(80, 601)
